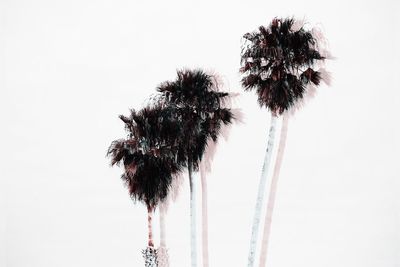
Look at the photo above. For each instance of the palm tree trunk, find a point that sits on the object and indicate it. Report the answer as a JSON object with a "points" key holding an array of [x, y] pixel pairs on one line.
{"points": [[193, 236], [272, 192], [163, 240], [261, 192], [149, 253], [204, 203], [150, 226], [162, 252]]}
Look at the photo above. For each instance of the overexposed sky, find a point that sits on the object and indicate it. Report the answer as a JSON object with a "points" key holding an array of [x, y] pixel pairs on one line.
{"points": [[69, 68]]}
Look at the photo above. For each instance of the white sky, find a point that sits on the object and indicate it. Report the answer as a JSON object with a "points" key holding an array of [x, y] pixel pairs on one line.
{"points": [[69, 68]]}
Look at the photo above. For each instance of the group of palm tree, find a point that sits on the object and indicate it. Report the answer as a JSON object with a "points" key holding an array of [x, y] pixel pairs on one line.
{"points": [[166, 137], [171, 135]]}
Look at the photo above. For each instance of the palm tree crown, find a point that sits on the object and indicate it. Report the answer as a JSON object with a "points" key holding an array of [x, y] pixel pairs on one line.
{"points": [[200, 107], [148, 154], [278, 62]]}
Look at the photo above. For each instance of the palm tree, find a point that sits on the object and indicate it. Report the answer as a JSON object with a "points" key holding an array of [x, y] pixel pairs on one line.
{"points": [[200, 105], [149, 160], [277, 61]]}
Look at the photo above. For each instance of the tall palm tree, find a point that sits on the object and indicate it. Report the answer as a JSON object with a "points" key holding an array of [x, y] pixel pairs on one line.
{"points": [[200, 105], [149, 160], [277, 61]]}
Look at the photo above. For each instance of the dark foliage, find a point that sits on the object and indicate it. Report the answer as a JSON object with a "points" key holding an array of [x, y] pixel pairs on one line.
{"points": [[200, 107], [277, 62], [149, 153], [155, 127]]}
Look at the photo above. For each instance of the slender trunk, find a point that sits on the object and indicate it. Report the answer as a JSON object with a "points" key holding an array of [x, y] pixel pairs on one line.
{"points": [[150, 253], [163, 241], [204, 203], [150, 226], [193, 236], [261, 192], [162, 251], [272, 192]]}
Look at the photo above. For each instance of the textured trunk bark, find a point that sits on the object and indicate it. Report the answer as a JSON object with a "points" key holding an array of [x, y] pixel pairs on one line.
{"points": [[150, 226], [150, 253], [261, 192], [193, 236], [204, 202], [272, 192]]}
